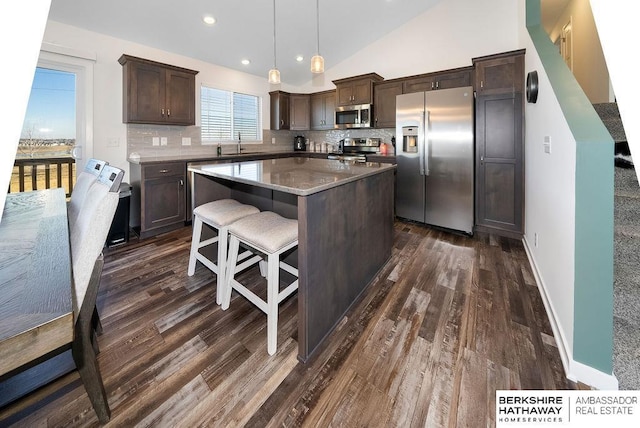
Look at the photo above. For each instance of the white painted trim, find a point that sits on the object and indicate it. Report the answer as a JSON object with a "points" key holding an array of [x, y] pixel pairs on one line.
{"points": [[574, 370], [83, 68], [68, 51]]}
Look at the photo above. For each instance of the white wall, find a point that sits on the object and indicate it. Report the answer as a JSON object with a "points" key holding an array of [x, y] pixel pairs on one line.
{"points": [[107, 111], [447, 36], [22, 21], [550, 199]]}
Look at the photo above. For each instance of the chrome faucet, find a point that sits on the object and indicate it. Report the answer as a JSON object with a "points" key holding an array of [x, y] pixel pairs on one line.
{"points": [[239, 144]]}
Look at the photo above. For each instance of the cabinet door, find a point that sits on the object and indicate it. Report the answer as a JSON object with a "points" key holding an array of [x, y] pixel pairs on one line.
{"points": [[279, 102], [146, 93], [453, 80], [384, 104], [344, 94], [180, 98], [499, 162], [164, 201], [323, 106], [500, 75], [299, 115], [362, 92], [419, 84]]}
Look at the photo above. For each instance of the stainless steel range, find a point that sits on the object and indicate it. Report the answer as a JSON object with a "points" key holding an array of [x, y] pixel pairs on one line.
{"points": [[356, 149]]}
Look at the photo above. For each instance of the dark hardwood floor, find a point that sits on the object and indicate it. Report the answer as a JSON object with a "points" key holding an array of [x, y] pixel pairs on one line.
{"points": [[448, 320]]}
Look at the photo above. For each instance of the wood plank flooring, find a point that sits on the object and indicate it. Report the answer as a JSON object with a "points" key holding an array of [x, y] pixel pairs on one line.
{"points": [[447, 321]]}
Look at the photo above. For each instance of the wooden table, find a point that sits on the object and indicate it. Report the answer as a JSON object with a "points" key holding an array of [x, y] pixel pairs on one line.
{"points": [[36, 311], [345, 226]]}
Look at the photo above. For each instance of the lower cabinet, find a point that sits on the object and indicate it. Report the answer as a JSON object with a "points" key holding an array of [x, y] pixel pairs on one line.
{"points": [[159, 197]]}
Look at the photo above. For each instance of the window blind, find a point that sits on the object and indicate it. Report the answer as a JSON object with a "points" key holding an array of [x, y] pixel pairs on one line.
{"points": [[224, 114]]}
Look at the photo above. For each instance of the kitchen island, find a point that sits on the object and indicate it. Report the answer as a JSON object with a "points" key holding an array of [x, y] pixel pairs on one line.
{"points": [[345, 226]]}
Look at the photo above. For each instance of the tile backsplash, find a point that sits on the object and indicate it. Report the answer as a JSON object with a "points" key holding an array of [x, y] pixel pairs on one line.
{"points": [[140, 140]]}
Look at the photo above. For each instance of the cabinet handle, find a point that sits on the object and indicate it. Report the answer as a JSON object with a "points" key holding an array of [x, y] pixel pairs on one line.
{"points": [[481, 84], [437, 85], [281, 122], [432, 86], [162, 111], [164, 171], [168, 112], [481, 160], [181, 182]]}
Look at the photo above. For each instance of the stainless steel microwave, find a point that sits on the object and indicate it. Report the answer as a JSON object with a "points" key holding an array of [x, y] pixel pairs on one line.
{"points": [[356, 116]]}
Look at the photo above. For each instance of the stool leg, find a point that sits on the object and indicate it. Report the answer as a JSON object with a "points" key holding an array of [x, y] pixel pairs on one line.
{"points": [[195, 241], [234, 246], [223, 237], [273, 276]]}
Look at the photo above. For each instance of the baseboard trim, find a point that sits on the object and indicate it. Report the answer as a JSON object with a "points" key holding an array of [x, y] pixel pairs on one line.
{"points": [[574, 370]]}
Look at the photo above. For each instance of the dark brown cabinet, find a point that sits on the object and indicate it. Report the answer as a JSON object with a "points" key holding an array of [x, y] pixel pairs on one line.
{"points": [[157, 93], [323, 107], [499, 74], [439, 80], [500, 145], [300, 112], [159, 196], [384, 103], [356, 90], [280, 105]]}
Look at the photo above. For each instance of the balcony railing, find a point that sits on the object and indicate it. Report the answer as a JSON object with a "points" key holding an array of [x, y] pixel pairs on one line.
{"points": [[43, 173]]}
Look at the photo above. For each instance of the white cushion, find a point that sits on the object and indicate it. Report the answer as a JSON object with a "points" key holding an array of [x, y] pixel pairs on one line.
{"points": [[223, 212], [89, 234], [266, 231]]}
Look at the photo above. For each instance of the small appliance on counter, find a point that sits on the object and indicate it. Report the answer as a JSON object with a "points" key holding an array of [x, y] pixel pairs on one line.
{"points": [[299, 144]]}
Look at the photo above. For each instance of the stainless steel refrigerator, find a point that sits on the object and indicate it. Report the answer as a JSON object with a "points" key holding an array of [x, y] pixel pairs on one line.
{"points": [[435, 158]]}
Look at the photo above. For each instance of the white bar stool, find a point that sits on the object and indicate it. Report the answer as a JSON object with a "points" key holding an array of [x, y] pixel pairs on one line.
{"points": [[272, 235], [219, 215]]}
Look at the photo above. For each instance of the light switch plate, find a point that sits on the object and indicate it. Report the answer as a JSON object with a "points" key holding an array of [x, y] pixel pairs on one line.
{"points": [[163, 141], [155, 141], [186, 141], [547, 144]]}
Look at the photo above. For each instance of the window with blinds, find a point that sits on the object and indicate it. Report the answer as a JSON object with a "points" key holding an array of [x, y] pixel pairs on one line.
{"points": [[224, 114]]}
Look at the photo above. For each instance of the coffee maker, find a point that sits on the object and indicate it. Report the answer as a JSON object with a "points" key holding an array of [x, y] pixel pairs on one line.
{"points": [[299, 143]]}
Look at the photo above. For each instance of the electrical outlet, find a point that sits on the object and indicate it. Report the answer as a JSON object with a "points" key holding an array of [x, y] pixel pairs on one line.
{"points": [[186, 141], [547, 144], [113, 142], [155, 141], [535, 240], [163, 141]]}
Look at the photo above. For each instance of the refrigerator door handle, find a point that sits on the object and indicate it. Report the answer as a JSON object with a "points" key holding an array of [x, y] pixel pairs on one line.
{"points": [[421, 147], [427, 123]]}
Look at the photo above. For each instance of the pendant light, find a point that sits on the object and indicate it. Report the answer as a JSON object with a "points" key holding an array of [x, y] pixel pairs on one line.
{"points": [[274, 73], [317, 62]]}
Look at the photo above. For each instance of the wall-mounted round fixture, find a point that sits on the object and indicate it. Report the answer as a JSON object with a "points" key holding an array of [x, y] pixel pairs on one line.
{"points": [[532, 86], [245, 62], [299, 58], [209, 20]]}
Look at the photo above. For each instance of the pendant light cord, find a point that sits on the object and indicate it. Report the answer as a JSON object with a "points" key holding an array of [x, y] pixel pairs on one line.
{"points": [[318, 25], [274, 34]]}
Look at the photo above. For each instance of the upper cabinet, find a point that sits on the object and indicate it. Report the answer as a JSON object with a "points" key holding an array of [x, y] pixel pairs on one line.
{"points": [[356, 90], [280, 102], [439, 80], [299, 113], [497, 74], [323, 107], [157, 93], [384, 103]]}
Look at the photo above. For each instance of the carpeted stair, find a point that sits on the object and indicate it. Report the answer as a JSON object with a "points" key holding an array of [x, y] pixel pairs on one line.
{"points": [[610, 116], [626, 286]]}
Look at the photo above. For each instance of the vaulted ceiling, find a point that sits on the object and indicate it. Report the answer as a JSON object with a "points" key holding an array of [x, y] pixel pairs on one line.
{"points": [[244, 28]]}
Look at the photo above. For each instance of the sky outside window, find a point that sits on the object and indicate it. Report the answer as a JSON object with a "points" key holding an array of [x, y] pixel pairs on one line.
{"points": [[51, 113]]}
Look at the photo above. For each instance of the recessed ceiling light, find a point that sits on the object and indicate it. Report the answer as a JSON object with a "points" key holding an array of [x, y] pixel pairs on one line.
{"points": [[209, 20], [299, 58], [246, 62]]}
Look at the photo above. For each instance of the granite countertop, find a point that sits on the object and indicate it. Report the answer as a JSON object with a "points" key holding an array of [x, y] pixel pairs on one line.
{"points": [[296, 175], [375, 157]]}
